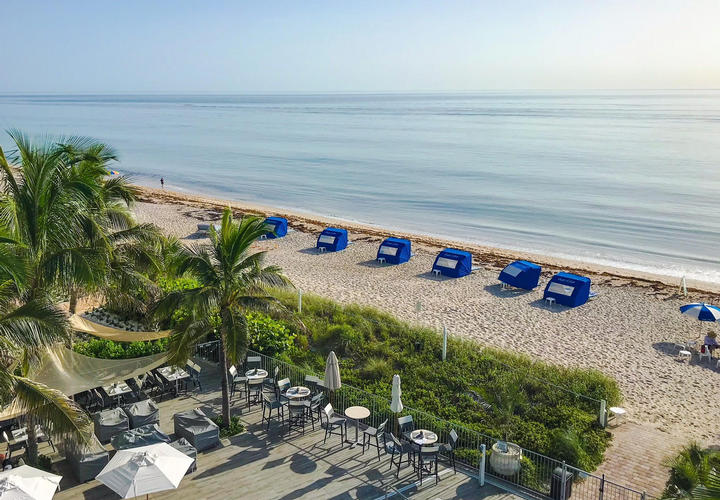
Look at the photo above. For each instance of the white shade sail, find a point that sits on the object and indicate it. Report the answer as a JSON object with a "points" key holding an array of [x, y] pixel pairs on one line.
{"points": [[332, 373], [144, 470], [80, 324], [70, 372], [27, 483]]}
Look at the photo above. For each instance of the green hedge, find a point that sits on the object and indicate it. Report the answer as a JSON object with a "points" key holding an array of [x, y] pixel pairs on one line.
{"points": [[492, 391], [108, 349]]}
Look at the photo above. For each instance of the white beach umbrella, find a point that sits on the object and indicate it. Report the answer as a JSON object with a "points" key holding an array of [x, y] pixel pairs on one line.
{"points": [[332, 373], [145, 470], [396, 405], [27, 483]]}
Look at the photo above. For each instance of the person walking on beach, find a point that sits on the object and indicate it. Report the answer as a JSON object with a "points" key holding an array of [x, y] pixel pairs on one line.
{"points": [[162, 183]]}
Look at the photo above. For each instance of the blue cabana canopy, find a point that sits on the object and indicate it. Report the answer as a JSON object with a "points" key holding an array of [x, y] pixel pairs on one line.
{"points": [[278, 225], [568, 289], [453, 263], [521, 274], [333, 239], [394, 250]]}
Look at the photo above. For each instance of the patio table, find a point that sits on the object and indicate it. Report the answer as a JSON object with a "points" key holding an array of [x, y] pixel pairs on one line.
{"points": [[257, 373], [298, 392], [356, 413], [117, 390], [423, 437]]}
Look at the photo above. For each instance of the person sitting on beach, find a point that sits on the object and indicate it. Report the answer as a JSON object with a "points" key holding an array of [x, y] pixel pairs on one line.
{"points": [[711, 341]]}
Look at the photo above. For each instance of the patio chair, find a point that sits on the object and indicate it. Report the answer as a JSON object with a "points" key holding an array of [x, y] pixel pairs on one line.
{"points": [[282, 386], [43, 435], [253, 362], [398, 450], [427, 462], [236, 380], [333, 423], [270, 403], [270, 381], [296, 415], [19, 445], [254, 392], [406, 426], [194, 370], [314, 407], [448, 448], [311, 382], [374, 432], [107, 401]]}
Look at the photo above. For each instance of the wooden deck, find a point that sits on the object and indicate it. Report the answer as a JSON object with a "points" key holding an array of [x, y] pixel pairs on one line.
{"points": [[275, 465]]}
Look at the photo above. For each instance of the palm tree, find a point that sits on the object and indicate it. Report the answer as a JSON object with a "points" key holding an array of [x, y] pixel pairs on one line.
{"points": [[64, 219], [25, 330], [694, 473], [232, 280]]}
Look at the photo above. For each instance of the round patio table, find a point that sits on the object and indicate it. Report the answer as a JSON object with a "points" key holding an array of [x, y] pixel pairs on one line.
{"points": [[255, 374], [298, 392], [356, 413], [423, 437]]}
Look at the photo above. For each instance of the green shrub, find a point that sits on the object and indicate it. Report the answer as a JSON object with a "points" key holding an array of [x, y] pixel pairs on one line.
{"points": [[235, 427], [108, 349], [690, 469], [495, 392], [268, 336]]}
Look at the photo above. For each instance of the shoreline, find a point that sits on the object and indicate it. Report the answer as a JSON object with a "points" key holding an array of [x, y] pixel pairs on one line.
{"points": [[489, 257]]}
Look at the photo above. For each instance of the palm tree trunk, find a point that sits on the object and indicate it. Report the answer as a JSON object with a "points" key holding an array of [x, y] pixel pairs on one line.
{"points": [[225, 386], [32, 442], [73, 300]]}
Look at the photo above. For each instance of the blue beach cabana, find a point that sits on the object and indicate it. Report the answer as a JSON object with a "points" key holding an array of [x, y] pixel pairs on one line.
{"points": [[394, 251], [568, 289], [332, 239], [453, 263], [278, 226], [521, 274]]}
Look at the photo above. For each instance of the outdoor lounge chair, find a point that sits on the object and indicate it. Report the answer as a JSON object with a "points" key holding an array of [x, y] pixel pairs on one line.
{"points": [[373, 432], [253, 362], [86, 461], [142, 436], [254, 392], [270, 381], [333, 424], [142, 413], [183, 446], [200, 431], [110, 422], [297, 413]]}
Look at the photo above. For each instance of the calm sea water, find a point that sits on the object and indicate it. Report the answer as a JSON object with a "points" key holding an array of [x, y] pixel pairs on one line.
{"points": [[629, 179]]}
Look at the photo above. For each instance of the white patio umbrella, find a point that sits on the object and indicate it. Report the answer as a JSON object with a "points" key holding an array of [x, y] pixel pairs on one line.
{"points": [[145, 470], [396, 405], [27, 483], [332, 373]]}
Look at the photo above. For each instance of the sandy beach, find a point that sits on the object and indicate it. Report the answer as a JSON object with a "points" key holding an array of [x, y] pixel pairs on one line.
{"points": [[627, 332]]}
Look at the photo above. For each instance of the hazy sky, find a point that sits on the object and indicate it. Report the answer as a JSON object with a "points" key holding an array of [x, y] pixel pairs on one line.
{"points": [[340, 45]]}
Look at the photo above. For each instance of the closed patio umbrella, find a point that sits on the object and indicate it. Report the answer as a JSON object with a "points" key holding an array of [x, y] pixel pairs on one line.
{"points": [[396, 405], [332, 373], [27, 483], [144, 470]]}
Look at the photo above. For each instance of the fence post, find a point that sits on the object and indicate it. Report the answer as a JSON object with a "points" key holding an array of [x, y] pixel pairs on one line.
{"points": [[602, 487], [444, 353], [299, 300], [562, 481], [602, 418], [481, 474], [644, 495]]}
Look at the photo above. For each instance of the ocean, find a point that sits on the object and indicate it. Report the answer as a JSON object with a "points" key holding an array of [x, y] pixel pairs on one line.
{"points": [[628, 179]]}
